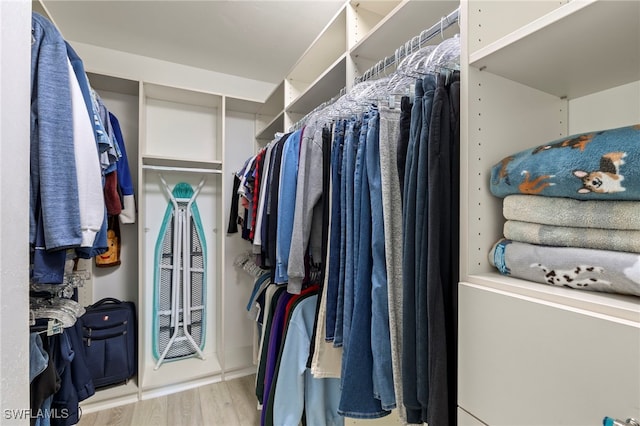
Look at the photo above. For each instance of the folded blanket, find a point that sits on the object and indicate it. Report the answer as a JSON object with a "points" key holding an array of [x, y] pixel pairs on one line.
{"points": [[601, 165], [579, 268], [565, 236], [574, 213]]}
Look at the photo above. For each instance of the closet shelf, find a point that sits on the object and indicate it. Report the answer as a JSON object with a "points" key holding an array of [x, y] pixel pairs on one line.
{"points": [[272, 106], [151, 162], [569, 38], [405, 21], [621, 308], [328, 46], [180, 373], [322, 89], [275, 125], [242, 105], [109, 83], [111, 397]]}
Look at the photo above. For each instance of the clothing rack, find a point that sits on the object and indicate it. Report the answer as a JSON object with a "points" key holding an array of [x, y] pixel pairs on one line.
{"points": [[410, 46], [405, 50]]}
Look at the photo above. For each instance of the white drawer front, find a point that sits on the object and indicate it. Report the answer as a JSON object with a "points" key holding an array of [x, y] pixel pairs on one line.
{"points": [[527, 362]]}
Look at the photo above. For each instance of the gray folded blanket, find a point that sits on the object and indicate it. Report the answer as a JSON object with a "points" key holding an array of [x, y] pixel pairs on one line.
{"points": [[575, 213], [578, 268], [565, 236]]}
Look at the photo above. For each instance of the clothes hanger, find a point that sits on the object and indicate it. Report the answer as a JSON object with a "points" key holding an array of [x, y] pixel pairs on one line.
{"points": [[445, 56]]}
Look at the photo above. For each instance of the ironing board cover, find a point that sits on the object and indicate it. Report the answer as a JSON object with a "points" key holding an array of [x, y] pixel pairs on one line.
{"points": [[163, 282]]}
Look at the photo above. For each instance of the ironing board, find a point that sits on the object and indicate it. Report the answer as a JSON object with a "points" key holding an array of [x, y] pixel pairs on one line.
{"points": [[180, 278]]}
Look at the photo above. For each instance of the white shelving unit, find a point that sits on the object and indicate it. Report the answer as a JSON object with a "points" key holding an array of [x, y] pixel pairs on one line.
{"points": [[182, 134], [530, 353], [360, 34]]}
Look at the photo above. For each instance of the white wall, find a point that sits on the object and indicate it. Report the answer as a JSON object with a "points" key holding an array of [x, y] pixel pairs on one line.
{"points": [[121, 64], [15, 21]]}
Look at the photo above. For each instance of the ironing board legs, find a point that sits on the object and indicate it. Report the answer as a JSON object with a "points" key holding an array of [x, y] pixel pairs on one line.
{"points": [[175, 284], [186, 280]]}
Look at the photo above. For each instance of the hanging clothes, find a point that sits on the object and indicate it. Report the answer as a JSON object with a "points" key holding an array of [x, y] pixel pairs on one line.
{"points": [[364, 202], [298, 392], [54, 188]]}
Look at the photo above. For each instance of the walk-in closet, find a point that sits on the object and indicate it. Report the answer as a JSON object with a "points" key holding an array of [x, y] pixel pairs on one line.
{"points": [[320, 212]]}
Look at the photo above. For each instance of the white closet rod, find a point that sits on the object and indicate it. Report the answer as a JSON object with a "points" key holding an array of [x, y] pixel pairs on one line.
{"points": [[410, 46], [181, 169]]}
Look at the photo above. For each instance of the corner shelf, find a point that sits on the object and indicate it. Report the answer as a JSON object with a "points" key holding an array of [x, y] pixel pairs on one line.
{"points": [[242, 105], [323, 88], [270, 118], [275, 125]]}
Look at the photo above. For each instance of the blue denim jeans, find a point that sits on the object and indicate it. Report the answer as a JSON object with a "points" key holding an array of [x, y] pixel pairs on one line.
{"points": [[333, 278], [358, 397], [380, 336], [287, 204], [346, 232], [409, 383], [353, 226]]}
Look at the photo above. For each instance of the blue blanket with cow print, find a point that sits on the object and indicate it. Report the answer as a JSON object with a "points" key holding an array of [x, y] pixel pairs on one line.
{"points": [[599, 165]]}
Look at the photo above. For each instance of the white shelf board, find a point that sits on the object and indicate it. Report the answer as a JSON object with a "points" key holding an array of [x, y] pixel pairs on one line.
{"points": [[555, 53], [151, 160], [274, 102], [111, 397], [275, 125], [104, 82], [619, 307], [379, 7], [182, 96], [329, 45], [175, 373], [243, 105], [322, 89], [405, 21]]}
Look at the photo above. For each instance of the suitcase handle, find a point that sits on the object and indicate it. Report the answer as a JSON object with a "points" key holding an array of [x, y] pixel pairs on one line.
{"points": [[104, 301]]}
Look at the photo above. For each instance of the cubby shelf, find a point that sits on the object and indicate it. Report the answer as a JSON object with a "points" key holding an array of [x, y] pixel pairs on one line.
{"points": [[534, 72]]}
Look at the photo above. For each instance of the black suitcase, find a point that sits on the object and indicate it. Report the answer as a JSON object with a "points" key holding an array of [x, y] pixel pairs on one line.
{"points": [[109, 329]]}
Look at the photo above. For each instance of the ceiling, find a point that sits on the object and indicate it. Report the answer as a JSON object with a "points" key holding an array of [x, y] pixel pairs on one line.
{"points": [[259, 39]]}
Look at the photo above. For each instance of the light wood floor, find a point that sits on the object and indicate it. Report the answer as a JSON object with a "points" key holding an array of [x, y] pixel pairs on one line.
{"points": [[225, 403], [231, 403]]}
